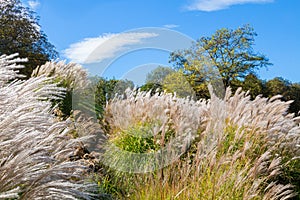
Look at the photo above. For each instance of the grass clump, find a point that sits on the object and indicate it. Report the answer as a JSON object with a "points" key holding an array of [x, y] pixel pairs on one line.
{"points": [[241, 149]]}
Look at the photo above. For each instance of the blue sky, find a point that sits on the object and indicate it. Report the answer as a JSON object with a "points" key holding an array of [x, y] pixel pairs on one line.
{"points": [[76, 27]]}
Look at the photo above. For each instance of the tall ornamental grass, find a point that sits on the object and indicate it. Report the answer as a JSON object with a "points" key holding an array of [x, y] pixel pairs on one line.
{"points": [[239, 149], [34, 145], [149, 146]]}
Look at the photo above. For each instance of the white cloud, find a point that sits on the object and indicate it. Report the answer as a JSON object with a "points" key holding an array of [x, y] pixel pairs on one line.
{"points": [[33, 4], [213, 5], [92, 50], [171, 26]]}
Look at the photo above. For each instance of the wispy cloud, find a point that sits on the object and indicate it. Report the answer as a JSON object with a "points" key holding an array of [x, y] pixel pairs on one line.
{"points": [[213, 5], [170, 26], [91, 50], [33, 4]]}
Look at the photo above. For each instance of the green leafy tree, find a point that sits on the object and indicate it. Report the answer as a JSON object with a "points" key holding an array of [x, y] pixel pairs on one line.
{"points": [[168, 80], [106, 90], [155, 78], [294, 94], [288, 90], [277, 86], [176, 82], [252, 84], [228, 52], [20, 32], [153, 87], [158, 75]]}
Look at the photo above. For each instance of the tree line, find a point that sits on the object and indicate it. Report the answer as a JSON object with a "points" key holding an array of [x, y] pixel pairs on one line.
{"points": [[227, 54]]}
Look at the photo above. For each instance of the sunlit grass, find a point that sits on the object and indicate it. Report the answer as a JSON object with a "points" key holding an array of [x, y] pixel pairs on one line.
{"points": [[242, 150]]}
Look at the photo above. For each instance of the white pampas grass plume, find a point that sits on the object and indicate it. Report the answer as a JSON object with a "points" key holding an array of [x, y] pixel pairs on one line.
{"points": [[34, 146]]}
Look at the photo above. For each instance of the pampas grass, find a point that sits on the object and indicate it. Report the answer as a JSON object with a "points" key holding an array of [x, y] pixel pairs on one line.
{"points": [[34, 145], [69, 75], [162, 117], [239, 149], [231, 148]]}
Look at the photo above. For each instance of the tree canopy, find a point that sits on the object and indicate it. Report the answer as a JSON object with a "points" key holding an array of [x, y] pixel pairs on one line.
{"points": [[21, 33], [288, 90], [106, 89], [158, 74], [229, 51], [227, 55]]}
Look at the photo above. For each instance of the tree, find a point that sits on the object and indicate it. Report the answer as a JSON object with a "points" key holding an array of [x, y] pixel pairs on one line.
{"points": [[20, 32], [152, 87], [158, 75], [105, 90], [169, 80], [227, 51], [176, 82], [277, 86], [252, 84], [155, 78], [288, 90], [294, 94]]}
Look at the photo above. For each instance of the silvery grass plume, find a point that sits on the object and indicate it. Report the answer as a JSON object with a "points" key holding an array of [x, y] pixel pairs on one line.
{"points": [[11, 69], [74, 78], [157, 117], [71, 75], [34, 146], [258, 135], [238, 149]]}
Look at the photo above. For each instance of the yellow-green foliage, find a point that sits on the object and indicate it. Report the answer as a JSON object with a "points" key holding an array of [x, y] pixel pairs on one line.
{"points": [[136, 139]]}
